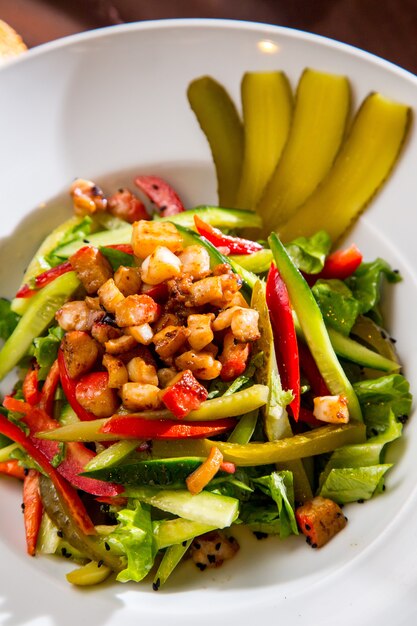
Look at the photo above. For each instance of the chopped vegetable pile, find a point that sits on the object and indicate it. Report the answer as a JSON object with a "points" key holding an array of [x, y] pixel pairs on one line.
{"points": [[175, 379]]}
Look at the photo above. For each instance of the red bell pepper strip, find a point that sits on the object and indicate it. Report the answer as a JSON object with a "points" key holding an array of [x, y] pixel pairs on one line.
{"points": [[183, 394], [66, 491], [31, 393], [160, 193], [32, 509], [76, 454], [285, 338], [307, 417], [228, 467], [311, 371], [12, 468], [69, 386], [128, 427], [46, 402], [44, 279], [122, 247], [340, 264], [159, 293], [235, 245]]}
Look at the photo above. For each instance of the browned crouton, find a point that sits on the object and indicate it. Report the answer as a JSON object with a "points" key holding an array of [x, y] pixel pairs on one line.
{"points": [[80, 352], [92, 268], [169, 340], [319, 520], [211, 549]]}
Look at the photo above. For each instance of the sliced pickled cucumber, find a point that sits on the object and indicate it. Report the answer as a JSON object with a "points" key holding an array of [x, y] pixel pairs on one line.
{"points": [[267, 109], [363, 164], [318, 127], [220, 122]]}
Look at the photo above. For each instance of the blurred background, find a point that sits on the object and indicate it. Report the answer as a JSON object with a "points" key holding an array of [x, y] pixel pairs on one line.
{"points": [[387, 28]]}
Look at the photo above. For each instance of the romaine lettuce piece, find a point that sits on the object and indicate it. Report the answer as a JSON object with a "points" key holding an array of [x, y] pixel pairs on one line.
{"points": [[366, 282], [309, 253], [350, 484], [279, 486], [8, 319], [337, 304], [46, 350]]}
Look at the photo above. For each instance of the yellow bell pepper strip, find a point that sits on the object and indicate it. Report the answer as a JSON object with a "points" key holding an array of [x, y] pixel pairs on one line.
{"points": [[311, 443], [321, 109], [201, 477], [220, 122], [361, 167], [215, 216], [267, 104], [314, 329], [93, 573]]}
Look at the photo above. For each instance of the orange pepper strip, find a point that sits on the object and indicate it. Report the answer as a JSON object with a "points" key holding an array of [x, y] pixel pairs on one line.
{"points": [[12, 468], [203, 474], [32, 509]]}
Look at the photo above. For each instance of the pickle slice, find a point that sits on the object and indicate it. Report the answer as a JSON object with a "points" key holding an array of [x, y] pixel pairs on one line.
{"points": [[363, 164], [220, 122], [267, 109], [321, 109]]}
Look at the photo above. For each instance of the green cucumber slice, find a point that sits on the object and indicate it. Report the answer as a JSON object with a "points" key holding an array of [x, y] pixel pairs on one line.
{"points": [[215, 216]]}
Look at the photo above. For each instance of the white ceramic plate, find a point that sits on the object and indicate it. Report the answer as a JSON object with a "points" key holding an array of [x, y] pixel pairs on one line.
{"points": [[111, 103]]}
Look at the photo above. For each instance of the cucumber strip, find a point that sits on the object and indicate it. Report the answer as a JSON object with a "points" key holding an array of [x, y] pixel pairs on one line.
{"points": [[257, 262], [205, 507], [38, 263], [314, 329], [239, 403], [267, 104], [102, 238], [158, 472], [38, 316], [363, 164], [351, 350], [92, 573], [174, 531], [311, 443], [170, 560], [7, 451], [48, 540], [112, 456], [244, 429], [215, 216], [321, 109], [220, 122]]}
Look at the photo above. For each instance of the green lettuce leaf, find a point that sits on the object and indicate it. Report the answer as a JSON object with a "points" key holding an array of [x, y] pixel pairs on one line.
{"points": [[379, 396], [134, 538], [309, 253], [46, 350], [8, 319], [261, 519], [117, 258], [279, 486], [337, 304], [78, 232], [365, 283], [350, 484]]}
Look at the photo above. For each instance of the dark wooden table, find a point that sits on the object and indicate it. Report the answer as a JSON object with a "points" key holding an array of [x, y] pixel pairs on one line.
{"points": [[387, 28]]}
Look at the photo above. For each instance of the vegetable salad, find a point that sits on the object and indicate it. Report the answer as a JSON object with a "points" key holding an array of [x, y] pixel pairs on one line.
{"points": [[179, 376]]}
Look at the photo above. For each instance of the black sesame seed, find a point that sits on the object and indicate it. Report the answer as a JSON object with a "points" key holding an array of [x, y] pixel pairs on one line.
{"points": [[184, 543], [218, 546], [307, 527], [201, 566], [393, 340], [109, 320], [346, 519], [232, 539], [162, 208], [60, 533], [361, 501], [22, 506], [156, 187], [120, 190], [211, 558], [259, 535], [106, 545], [26, 471], [383, 487], [396, 271], [85, 241], [402, 419], [197, 546], [100, 563], [68, 555], [308, 540], [64, 551], [314, 545], [156, 584]]}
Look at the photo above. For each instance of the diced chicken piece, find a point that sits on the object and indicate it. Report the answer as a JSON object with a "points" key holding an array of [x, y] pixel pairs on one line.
{"points": [[245, 325], [110, 295], [117, 371], [136, 310], [224, 318], [160, 266], [167, 319], [183, 394], [201, 333], [122, 344], [140, 397], [93, 303], [147, 236], [76, 315], [141, 372], [205, 291], [169, 340], [142, 334], [92, 268], [80, 352], [166, 375], [331, 409], [94, 395], [319, 520], [87, 197], [237, 300], [103, 332], [195, 261], [212, 549], [128, 280], [202, 364], [126, 206], [234, 357]]}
